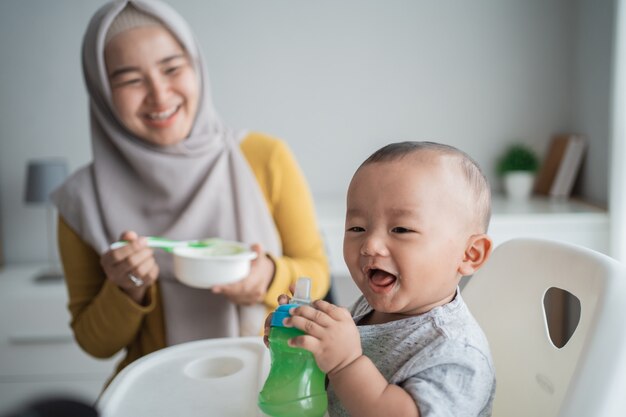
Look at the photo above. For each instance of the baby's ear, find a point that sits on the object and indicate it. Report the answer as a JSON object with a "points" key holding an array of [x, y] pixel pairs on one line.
{"points": [[476, 254]]}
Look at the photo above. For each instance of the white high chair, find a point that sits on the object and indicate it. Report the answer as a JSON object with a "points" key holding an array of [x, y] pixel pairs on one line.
{"points": [[587, 376]]}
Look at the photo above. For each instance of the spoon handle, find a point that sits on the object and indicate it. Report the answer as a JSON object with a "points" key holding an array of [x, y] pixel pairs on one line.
{"points": [[168, 244], [153, 242]]}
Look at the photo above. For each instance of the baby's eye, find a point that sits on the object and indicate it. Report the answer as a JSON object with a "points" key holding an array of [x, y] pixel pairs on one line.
{"points": [[355, 229], [401, 230]]}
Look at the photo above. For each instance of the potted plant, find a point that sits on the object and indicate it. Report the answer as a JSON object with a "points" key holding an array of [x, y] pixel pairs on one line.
{"points": [[517, 167]]}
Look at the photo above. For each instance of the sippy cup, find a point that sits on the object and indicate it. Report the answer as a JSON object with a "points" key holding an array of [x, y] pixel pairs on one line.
{"points": [[295, 385]]}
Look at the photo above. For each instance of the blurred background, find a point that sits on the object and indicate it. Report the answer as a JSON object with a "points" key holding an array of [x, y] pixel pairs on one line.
{"points": [[335, 79]]}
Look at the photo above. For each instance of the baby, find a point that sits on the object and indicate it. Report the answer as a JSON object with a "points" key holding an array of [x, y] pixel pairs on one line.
{"points": [[416, 222]]}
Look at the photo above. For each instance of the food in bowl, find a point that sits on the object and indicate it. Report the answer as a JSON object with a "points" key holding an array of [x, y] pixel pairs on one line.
{"points": [[222, 263]]}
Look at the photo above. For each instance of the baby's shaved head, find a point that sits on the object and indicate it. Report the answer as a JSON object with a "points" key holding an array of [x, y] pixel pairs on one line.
{"points": [[474, 176]]}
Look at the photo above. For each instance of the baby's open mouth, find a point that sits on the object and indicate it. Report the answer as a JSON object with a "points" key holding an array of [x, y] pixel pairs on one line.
{"points": [[380, 280]]}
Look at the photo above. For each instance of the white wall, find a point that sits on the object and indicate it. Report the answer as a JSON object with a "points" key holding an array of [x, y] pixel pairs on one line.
{"points": [[591, 104], [618, 138], [335, 78]]}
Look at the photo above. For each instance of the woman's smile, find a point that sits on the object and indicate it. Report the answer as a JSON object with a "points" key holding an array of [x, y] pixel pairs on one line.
{"points": [[161, 115], [162, 119]]}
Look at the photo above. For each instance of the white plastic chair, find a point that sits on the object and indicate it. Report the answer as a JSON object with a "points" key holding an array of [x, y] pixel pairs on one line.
{"points": [[587, 376]]}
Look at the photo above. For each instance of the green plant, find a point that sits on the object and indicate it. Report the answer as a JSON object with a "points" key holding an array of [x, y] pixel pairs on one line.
{"points": [[517, 157]]}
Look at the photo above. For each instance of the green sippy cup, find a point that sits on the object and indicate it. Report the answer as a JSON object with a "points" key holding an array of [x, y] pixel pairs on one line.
{"points": [[295, 385]]}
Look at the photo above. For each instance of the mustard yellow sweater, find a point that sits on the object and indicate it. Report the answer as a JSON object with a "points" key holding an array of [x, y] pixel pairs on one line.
{"points": [[105, 320]]}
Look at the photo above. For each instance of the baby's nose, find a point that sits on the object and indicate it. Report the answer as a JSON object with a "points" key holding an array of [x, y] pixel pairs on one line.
{"points": [[374, 246]]}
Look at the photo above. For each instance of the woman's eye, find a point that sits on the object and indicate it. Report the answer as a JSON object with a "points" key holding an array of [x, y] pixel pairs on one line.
{"points": [[172, 70], [401, 230], [128, 82]]}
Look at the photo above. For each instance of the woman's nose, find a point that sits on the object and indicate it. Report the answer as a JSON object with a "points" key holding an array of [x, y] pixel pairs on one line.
{"points": [[374, 246], [158, 89]]}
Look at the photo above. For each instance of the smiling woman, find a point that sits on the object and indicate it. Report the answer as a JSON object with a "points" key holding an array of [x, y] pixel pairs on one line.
{"points": [[164, 164]]}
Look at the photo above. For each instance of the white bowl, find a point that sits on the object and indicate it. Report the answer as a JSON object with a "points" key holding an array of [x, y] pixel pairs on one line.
{"points": [[223, 263]]}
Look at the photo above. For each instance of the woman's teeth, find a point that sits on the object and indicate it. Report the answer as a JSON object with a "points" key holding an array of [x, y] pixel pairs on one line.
{"points": [[162, 115]]}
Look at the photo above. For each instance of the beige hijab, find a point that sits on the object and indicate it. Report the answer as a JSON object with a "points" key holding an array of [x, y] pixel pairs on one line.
{"points": [[201, 187]]}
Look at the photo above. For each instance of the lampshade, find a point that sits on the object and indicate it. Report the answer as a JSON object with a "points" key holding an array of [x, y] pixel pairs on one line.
{"points": [[42, 177]]}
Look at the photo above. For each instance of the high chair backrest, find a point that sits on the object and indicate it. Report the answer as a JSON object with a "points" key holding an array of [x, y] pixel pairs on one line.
{"points": [[584, 378]]}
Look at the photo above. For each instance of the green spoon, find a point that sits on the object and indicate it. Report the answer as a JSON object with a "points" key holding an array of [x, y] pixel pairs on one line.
{"points": [[168, 245]]}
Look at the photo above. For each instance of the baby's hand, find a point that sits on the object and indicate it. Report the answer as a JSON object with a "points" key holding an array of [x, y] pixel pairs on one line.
{"points": [[282, 299], [332, 336]]}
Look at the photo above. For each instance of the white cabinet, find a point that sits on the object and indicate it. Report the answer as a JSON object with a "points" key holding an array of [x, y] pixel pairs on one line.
{"points": [[38, 354], [540, 217]]}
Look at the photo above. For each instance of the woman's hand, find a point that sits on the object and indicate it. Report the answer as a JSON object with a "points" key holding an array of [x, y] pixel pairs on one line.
{"points": [[331, 335], [131, 267], [251, 289]]}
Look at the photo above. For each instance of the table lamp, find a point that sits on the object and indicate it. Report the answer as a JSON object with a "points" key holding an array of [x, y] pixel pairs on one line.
{"points": [[43, 177]]}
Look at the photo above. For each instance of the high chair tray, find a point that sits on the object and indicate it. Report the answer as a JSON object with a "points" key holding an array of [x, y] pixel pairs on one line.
{"points": [[214, 377]]}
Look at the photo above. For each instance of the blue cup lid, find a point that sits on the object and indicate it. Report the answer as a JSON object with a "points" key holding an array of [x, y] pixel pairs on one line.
{"points": [[281, 313]]}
